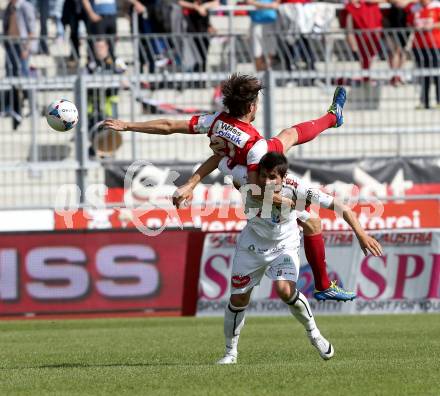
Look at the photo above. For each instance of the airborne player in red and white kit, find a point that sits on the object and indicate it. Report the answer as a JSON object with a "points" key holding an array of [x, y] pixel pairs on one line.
{"points": [[233, 136]]}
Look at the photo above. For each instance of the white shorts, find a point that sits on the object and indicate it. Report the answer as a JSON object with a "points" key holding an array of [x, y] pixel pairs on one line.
{"points": [[263, 39], [256, 256]]}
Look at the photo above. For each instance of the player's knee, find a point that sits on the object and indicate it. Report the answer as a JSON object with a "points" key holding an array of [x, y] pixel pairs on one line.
{"points": [[312, 226], [285, 290], [239, 300], [288, 137]]}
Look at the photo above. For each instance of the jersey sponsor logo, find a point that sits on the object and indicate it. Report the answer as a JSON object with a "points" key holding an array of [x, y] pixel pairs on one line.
{"points": [[240, 281], [283, 273], [231, 133], [276, 249]]}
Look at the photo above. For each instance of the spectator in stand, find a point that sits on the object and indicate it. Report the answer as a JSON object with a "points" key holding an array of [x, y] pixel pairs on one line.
{"points": [[301, 49], [42, 6], [19, 25], [398, 39], [365, 16], [101, 16], [152, 48], [196, 14], [263, 32], [102, 102], [425, 17], [73, 14], [56, 12]]}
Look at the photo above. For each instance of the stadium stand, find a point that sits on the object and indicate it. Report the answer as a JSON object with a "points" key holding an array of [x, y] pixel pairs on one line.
{"points": [[157, 74]]}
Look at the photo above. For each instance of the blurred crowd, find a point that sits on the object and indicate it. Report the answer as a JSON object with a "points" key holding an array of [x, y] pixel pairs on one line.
{"points": [[22, 19]]}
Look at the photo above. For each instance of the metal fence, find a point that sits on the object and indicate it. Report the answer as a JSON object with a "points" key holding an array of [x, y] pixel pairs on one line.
{"points": [[147, 77]]}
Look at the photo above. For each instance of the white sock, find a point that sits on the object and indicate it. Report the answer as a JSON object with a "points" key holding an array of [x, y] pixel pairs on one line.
{"points": [[233, 323], [300, 308]]}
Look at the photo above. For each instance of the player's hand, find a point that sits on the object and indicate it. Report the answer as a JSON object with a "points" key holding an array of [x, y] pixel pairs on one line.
{"points": [[369, 244], [116, 125], [183, 196]]}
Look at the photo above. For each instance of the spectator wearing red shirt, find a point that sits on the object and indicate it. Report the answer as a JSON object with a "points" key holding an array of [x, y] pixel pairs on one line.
{"points": [[365, 16], [425, 17]]}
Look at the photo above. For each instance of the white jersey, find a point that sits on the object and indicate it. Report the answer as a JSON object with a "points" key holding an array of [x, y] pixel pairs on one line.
{"points": [[270, 221], [269, 243], [276, 223]]}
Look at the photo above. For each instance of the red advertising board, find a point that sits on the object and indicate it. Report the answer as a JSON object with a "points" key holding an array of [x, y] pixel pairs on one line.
{"points": [[95, 272], [390, 215]]}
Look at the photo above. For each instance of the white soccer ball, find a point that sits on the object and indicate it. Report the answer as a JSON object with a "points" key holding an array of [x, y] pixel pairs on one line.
{"points": [[62, 115]]}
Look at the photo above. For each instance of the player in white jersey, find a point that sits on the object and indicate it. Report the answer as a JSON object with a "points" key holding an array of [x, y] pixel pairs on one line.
{"points": [[269, 245]]}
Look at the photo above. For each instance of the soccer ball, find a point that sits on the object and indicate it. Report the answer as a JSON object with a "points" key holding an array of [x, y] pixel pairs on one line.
{"points": [[62, 115]]}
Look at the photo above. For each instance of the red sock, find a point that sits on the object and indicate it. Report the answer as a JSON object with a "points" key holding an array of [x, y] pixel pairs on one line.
{"points": [[310, 129], [315, 253]]}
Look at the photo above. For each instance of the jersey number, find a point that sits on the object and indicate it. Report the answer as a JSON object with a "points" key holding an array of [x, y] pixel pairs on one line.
{"points": [[222, 147]]}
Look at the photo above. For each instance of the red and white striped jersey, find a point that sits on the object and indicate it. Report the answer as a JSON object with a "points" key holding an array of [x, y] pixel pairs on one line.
{"points": [[233, 138]]}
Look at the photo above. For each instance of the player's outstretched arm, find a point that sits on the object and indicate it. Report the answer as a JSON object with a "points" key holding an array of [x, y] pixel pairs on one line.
{"points": [[185, 192], [367, 243], [307, 195], [156, 127]]}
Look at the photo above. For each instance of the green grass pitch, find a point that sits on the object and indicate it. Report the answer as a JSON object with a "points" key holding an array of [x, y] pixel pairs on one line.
{"points": [[375, 355]]}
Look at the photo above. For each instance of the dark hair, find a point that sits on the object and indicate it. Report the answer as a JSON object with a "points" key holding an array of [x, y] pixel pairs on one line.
{"points": [[274, 161], [239, 92]]}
